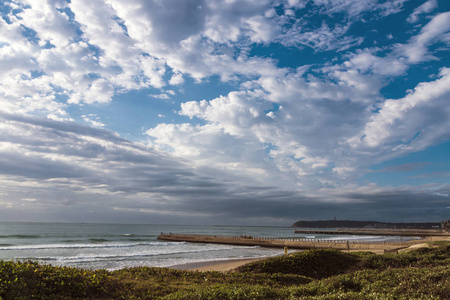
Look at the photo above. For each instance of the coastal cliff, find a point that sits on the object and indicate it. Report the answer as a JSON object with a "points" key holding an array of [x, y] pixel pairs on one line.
{"points": [[363, 224]]}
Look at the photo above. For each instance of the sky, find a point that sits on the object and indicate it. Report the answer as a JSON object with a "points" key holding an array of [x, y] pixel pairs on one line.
{"points": [[249, 112]]}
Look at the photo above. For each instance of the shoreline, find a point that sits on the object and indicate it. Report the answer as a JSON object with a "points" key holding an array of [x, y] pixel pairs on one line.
{"points": [[216, 265]]}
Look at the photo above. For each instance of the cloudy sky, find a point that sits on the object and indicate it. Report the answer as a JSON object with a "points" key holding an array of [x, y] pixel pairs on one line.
{"points": [[224, 111]]}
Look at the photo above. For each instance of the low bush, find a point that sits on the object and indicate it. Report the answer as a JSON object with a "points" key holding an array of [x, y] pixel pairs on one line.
{"points": [[236, 292], [325, 263], [24, 280], [313, 263], [406, 283]]}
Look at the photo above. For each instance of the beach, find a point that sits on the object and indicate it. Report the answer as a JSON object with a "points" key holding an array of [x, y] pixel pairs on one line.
{"points": [[221, 266]]}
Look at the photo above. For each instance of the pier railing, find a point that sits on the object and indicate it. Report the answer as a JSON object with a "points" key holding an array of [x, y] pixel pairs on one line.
{"points": [[286, 239]]}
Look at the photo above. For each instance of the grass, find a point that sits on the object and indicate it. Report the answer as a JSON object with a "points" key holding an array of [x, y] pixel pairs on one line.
{"points": [[316, 274]]}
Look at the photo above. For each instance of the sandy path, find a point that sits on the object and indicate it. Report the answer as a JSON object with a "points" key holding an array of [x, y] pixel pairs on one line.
{"points": [[221, 266]]}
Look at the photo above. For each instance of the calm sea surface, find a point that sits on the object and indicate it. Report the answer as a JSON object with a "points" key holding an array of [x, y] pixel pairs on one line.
{"points": [[116, 246]]}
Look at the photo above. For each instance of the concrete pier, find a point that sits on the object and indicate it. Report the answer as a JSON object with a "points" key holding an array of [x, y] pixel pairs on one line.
{"points": [[291, 243]]}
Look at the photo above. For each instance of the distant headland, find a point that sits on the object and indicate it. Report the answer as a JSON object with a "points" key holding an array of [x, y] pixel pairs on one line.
{"points": [[368, 224]]}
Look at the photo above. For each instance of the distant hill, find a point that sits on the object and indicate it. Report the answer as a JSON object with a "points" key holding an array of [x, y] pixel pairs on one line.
{"points": [[363, 224]]}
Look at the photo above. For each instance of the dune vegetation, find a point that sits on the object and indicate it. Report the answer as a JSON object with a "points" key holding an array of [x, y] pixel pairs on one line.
{"points": [[315, 274]]}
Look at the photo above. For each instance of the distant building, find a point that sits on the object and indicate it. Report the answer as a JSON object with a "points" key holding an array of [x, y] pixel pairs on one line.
{"points": [[445, 225]]}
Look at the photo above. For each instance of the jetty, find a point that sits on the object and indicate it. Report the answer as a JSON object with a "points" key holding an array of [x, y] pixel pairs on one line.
{"points": [[291, 243], [378, 232]]}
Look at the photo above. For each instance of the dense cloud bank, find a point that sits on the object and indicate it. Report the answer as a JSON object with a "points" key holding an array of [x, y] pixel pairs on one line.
{"points": [[287, 140]]}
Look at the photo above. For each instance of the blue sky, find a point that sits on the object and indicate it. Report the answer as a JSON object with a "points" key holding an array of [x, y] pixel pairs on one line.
{"points": [[212, 111]]}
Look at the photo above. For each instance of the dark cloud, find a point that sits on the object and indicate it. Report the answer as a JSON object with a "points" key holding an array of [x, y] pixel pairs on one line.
{"points": [[37, 167], [61, 129], [175, 20], [395, 206]]}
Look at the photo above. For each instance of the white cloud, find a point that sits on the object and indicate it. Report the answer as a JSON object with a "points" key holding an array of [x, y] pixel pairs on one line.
{"points": [[93, 120], [285, 119], [211, 146], [320, 39], [337, 107], [426, 7], [418, 119], [262, 30], [365, 61], [338, 85], [100, 91], [298, 4], [131, 46], [354, 8], [235, 113], [231, 120], [55, 117], [109, 47], [160, 96], [366, 88], [29, 199], [50, 24], [231, 20], [90, 68], [435, 31], [390, 7], [186, 37], [176, 79]]}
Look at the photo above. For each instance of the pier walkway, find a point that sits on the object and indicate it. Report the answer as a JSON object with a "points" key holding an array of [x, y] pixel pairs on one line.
{"points": [[291, 243]]}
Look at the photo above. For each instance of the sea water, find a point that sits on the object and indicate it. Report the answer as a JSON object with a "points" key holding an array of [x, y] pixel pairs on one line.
{"points": [[116, 246]]}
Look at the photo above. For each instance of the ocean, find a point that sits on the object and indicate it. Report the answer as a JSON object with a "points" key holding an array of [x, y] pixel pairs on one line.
{"points": [[117, 246]]}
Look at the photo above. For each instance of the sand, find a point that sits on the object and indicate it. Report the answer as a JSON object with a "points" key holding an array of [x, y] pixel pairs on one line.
{"points": [[413, 247], [229, 265], [221, 266]]}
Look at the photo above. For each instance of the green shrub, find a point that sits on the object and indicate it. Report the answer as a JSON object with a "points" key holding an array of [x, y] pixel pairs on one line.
{"points": [[220, 292], [20, 280], [325, 263], [407, 283], [313, 263]]}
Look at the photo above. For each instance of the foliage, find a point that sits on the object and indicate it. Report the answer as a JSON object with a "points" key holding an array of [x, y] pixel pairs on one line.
{"points": [[314, 263], [407, 283], [325, 263], [236, 292], [30, 279], [316, 274]]}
